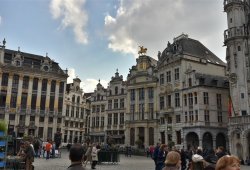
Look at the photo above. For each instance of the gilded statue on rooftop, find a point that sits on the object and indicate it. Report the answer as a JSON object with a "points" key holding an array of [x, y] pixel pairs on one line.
{"points": [[142, 50]]}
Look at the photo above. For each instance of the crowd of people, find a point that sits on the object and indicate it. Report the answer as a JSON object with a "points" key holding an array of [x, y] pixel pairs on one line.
{"points": [[199, 159]]}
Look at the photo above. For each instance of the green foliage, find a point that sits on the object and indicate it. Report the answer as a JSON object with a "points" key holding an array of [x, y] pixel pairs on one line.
{"points": [[3, 126]]}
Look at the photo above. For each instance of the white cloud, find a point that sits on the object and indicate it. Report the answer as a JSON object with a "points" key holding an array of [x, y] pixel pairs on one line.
{"points": [[152, 23], [72, 75], [89, 85], [72, 14]]}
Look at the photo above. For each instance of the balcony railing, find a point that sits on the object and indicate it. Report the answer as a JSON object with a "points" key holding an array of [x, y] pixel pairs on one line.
{"points": [[235, 32], [202, 123], [239, 120]]}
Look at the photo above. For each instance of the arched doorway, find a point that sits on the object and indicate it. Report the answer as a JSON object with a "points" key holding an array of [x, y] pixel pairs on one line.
{"points": [[221, 140], [192, 140], [151, 136], [207, 141], [239, 150], [132, 136]]}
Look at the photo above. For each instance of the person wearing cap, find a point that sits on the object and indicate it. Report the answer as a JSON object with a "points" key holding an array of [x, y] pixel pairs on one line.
{"points": [[173, 161]]}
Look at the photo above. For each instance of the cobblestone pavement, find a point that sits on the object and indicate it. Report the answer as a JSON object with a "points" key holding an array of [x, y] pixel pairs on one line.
{"points": [[126, 163]]}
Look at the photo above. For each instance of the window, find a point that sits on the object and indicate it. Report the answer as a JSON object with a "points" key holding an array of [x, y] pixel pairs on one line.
{"points": [[102, 108], [25, 82], [242, 95], [195, 98], [206, 115], [44, 84], [13, 100], [115, 118], [33, 101], [116, 90], [109, 104], [5, 78], [51, 103], [102, 121], [141, 93], [97, 121], [59, 120], [169, 120], [24, 100], [239, 49], [150, 93], [35, 84], [178, 118], [73, 98], [162, 120], [132, 94], [178, 137], [32, 118], [161, 79], [53, 86], [115, 103], [141, 111], [169, 101], [177, 100], [12, 117], [109, 119], [219, 116], [218, 97], [93, 121], [185, 100], [43, 102], [61, 87], [176, 74], [98, 109], [121, 118], [67, 110], [196, 116], [132, 112], [191, 116], [82, 113], [121, 103], [77, 112], [205, 97], [122, 91], [151, 110], [15, 81], [93, 109], [186, 117], [50, 119], [190, 99], [168, 76], [162, 102], [78, 100], [190, 82], [72, 111]]}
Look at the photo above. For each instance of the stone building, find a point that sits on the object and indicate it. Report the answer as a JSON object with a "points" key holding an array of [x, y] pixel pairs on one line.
{"points": [[193, 95], [116, 109], [75, 118], [236, 39], [142, 100], [32, 93], [98, 116]]}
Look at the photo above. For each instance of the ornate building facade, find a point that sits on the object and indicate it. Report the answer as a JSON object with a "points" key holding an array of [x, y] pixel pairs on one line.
{"points": [[236, 39], [193, 95], [76, 113], [142, 99], [116, 109], [32, 93]]}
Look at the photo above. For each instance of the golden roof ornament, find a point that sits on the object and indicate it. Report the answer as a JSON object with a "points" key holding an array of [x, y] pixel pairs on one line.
{"points": [[142, 50]]}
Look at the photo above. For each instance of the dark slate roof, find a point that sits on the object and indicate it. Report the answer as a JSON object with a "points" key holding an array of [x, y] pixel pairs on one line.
{"points": [[188, 46], [30, 59]]}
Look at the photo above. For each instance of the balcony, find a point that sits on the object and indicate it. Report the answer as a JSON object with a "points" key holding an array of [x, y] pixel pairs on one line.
{"points": [[228, 3], [239, 120], [204, 124], [235, 32]]}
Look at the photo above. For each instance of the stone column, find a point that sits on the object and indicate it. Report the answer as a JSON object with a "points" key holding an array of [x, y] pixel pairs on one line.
{"points": [[127, 136], [29, 93], [1, 74], [56, 97], [9, 89], [39, 91], [48, 96], [214, 141], [146, 109], [19, 92]]}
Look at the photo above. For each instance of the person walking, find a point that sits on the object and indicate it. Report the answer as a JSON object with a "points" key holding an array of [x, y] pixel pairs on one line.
{"points": [[94, 155], [29, 156], [76, 154], [48, 148], [88, 155]]}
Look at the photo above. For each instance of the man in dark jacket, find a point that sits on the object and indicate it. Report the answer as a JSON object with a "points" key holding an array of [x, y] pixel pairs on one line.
{"points": [[76, 154]]}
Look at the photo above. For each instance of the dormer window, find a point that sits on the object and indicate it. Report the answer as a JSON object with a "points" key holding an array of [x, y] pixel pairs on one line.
{"points": [[201, 81], [46, 68]]}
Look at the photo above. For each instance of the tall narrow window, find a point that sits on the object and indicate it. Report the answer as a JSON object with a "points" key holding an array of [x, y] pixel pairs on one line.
{"points": [[176, 74], [162, 102], [205, 97], [177, 100]]}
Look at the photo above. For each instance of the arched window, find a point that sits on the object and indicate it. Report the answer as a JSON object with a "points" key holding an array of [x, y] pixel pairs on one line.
{"points": [[78, 99], [122, 91], [73, 98]]}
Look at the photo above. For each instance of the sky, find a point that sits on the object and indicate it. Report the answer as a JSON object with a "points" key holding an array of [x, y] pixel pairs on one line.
{"points": [[93, 38]]}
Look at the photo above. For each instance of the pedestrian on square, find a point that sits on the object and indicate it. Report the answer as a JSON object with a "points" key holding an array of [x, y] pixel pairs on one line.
{"points": [[228, 163], [29, 156], [94, 155], [88, 155], [76, 154], [48, 148], [173, 161], [163, 151]]}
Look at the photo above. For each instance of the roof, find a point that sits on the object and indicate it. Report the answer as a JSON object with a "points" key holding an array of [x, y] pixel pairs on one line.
{"points": [[188, 46]]}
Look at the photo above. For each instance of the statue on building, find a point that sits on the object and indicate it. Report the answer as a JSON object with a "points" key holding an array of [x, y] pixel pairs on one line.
{"points": [[142, 50]]}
